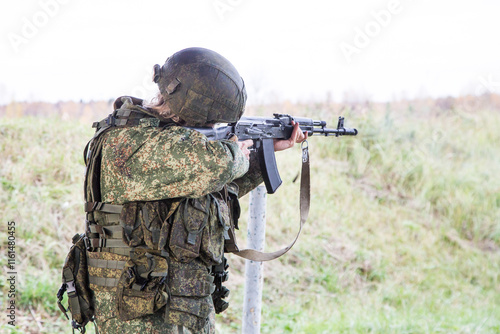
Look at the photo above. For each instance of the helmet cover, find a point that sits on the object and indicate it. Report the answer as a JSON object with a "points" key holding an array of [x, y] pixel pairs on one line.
{"points": [[201, 87]]}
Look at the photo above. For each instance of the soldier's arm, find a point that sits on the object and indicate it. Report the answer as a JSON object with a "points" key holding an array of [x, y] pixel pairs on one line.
{"points": [[208, 165], [252, 178], [141, 164]]}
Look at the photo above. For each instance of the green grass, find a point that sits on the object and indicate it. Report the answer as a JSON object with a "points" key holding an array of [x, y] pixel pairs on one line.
{"points": [[403, 234]]}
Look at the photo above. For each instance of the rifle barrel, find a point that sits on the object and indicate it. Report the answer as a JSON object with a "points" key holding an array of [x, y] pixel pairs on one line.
{"points": [[336, 132]]}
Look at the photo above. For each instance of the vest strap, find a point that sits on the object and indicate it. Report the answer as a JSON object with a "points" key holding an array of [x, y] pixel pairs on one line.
{"points": [[118, 250], [103, 281], [102, 207], [107, 243], [108, 264], [112, 231]]}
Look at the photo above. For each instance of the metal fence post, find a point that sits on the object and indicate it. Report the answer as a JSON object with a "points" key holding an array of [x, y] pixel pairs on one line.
{"points": [[254, 270]]}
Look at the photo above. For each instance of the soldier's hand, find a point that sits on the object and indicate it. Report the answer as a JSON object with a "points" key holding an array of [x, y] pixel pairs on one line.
{"points": [[244, 145], [297, 137]]}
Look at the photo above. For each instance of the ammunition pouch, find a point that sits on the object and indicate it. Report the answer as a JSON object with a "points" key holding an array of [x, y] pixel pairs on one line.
{"points": [[188, 223], [159, 254], [75, 282], [141, 288], [190, 286]]}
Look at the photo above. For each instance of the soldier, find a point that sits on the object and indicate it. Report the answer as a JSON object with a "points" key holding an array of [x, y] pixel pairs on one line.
{"points": [[161, 198]]}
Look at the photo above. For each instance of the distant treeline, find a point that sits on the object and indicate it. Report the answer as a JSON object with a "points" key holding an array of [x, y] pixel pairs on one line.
{"points": [[83, 111], [94, 110]]}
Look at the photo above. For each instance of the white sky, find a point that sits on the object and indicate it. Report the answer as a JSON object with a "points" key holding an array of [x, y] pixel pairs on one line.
{"points": [[74, 49]]}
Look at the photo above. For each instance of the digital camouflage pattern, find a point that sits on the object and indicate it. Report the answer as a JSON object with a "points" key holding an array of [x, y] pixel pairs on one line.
{"points": [[109, 323], [189, 304], [170, 181], [190, 288], [149, 163], [104, 272], [141, 289], [75, 276], [251, 179]]}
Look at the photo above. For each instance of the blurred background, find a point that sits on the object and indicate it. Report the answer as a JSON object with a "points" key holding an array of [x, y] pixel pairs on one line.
{"points": [[403, 234], [285, 50]]}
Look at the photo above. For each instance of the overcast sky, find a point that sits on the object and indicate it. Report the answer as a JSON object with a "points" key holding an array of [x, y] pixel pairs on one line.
{"points": [[299, 50]]}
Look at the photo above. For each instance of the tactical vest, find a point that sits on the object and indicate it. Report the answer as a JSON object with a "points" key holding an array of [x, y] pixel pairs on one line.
{"points": [[153, 255]]}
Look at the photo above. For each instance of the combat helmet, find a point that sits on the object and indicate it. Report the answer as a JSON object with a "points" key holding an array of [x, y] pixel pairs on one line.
{"points": [[201, 87]]}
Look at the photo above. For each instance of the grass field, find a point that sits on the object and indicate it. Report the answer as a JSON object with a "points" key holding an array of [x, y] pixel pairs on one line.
{"points": [[403, 234]]}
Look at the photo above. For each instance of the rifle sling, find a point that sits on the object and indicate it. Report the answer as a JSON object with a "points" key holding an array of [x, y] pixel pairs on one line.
{"points": [[305, 195]]}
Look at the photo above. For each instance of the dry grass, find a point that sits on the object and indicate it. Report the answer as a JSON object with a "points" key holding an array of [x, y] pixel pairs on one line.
{"points": [[403, 234]]}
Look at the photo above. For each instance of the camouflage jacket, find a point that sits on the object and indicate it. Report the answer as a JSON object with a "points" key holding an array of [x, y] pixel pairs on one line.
{"points": [[145, 163]]}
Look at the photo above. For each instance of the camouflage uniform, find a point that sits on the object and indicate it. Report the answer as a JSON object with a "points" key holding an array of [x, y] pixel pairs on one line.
{"points": [[174, 186], [148, 164]]}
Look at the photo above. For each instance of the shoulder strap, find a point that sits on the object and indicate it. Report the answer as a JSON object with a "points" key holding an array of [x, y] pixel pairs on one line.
{"points": [[93, 166], [305, 195], [92, 151]]}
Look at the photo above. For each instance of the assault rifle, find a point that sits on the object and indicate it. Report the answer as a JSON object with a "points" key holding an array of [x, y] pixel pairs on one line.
{"points": [[263, 131]]}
